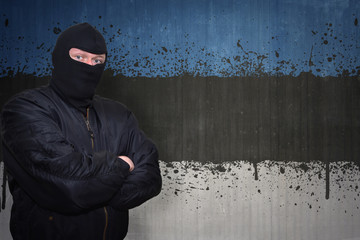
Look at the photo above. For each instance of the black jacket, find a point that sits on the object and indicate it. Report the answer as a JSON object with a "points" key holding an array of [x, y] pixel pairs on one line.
{"points": [[64, 175]]}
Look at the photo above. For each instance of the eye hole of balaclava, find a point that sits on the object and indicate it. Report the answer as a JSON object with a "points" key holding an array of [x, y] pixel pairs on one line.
{"points": [[75, 81]]}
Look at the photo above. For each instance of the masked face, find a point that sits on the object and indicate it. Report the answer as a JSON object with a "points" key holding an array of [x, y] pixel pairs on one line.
{"points": [[73, 79]]}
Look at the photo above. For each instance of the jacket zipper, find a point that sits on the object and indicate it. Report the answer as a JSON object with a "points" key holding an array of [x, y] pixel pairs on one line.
{"points": [[87, 122], [106, 222]]}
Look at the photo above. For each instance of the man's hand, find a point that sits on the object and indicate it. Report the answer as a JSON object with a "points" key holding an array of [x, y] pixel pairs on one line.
{"points": [[128, 161]]}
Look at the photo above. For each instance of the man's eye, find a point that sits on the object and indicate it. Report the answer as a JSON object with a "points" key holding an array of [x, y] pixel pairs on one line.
{"points": [[78, 57], [98, 61]]}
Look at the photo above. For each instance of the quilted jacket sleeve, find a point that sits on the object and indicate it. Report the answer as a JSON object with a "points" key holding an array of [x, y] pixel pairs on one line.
{"points": [[47, 167], [144, 182]]}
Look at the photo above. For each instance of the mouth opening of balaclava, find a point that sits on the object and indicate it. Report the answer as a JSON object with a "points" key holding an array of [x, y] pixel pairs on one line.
{"points": [[75, 81]]}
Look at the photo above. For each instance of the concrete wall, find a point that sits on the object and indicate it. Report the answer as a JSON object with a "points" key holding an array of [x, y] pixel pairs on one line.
{"points": [[254, 106]]}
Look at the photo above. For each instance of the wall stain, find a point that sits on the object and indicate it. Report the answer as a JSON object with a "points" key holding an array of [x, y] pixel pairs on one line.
{"points": [[56, 30], [191, 177], [130, 55]]}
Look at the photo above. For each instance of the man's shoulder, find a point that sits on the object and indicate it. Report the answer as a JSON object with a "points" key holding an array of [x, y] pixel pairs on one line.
{"points": [[110, 104], [32, 93], [27, 103], [35, 96], [111, 109], [28, 94]]}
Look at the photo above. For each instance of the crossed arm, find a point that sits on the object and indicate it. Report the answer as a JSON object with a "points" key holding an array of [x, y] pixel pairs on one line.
{"points": [[45, 165]]}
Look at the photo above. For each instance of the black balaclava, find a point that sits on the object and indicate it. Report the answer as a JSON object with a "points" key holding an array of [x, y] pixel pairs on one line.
{"points": [[75, 81]]}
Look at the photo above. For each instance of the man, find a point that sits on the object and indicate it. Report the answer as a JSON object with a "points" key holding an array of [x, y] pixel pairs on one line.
{"points": [[76, 162]]}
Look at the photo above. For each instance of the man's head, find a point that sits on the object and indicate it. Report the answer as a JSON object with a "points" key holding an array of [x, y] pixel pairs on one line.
{"points": [[79, 59]]}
